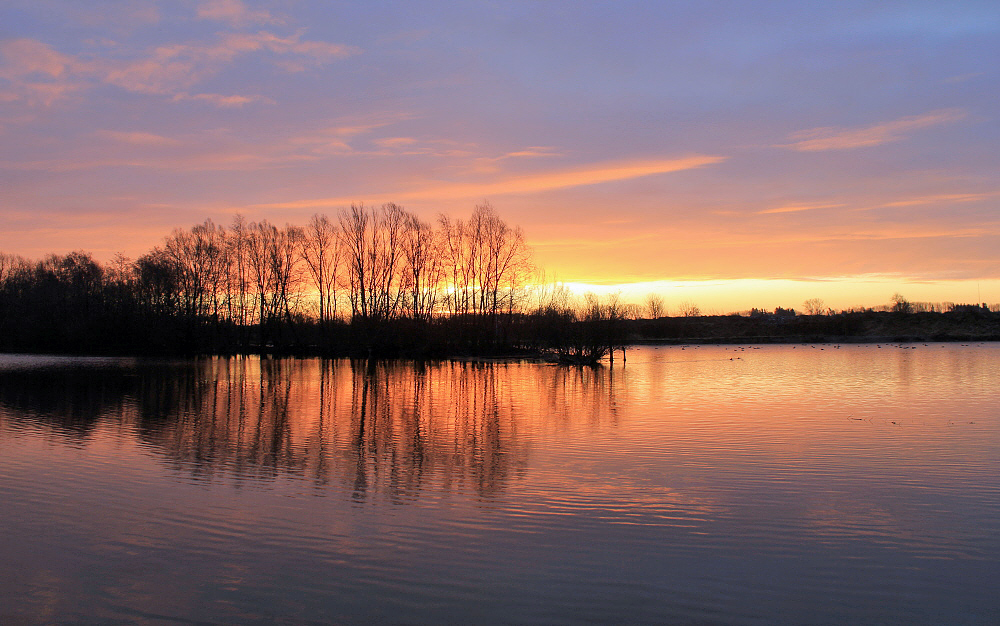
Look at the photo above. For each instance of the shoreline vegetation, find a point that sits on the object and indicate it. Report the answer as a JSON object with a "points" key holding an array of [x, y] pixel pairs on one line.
{"points": [[376, 282]]}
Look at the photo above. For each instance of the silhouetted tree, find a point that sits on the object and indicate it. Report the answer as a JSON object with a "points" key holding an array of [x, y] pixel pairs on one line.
{"points": [[814, 306], [654, 306], [321, 252], [689, 309], [900, 304], [424, 268]]}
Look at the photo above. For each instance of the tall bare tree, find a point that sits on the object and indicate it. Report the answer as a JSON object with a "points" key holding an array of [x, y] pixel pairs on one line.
{"points": [[321, 252], [458, 269], [199, 254], [423, 268], [273, 257], [240, 304], [355, 224]]}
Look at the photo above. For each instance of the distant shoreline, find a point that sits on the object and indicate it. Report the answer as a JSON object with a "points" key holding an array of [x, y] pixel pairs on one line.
{"points": [[709, 341]]}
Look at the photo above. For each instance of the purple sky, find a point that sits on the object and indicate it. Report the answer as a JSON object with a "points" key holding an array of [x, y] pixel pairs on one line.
{"points": [[812, 142]]}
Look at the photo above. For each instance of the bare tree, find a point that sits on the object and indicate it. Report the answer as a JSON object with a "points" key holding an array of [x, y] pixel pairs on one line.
{"points": [[387, 259], [273, 261], [159, 283], [423, 269], [900, 304], [354, 227], [689, 309], [321, 252], [458, 269], [487, 262], [814, 306], [240, 305], [655, 306], [373, 245], [632, 311], [285, 257], [199, 254], [11, 266], [505, 261]]}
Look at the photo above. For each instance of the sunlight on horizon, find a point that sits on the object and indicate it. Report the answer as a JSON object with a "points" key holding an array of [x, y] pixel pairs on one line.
{"points": [[720, 296]]}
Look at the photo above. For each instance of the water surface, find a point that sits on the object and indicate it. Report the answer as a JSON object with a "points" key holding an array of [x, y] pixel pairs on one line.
{"points": [[694, 485]]}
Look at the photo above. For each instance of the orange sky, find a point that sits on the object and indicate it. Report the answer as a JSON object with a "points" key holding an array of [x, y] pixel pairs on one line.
{"points": [[746, 158]]}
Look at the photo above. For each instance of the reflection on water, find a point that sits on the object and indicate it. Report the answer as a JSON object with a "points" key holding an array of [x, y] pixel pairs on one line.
{"points": [[380, 428], [780, 484]]}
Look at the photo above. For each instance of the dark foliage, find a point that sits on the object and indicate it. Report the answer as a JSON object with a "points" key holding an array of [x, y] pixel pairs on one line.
{"points": [[959, 323], [408, 291]]}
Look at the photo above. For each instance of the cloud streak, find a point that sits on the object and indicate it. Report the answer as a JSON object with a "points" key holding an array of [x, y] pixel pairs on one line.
{"points": [[797, 208], [947, 198], [837, 138], [137, 138], [527, 184]]}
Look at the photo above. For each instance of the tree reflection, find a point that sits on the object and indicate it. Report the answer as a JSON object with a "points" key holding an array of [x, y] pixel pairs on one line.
{"points": [[69, 399], [385, 429]]}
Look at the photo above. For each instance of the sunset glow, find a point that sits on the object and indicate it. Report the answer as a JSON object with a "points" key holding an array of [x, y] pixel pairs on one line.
{"points": [[752, 156]]}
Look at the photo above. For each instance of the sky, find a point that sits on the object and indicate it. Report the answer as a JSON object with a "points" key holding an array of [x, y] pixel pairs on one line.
{"points": [[728, 154]]}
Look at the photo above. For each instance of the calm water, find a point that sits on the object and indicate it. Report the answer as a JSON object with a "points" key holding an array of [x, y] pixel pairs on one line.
{"points": [[697, 485]]}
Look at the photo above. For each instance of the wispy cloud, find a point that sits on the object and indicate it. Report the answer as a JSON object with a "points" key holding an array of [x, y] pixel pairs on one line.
{"points": [[796, 208], [484, 165], [362, 125], [222, 101], [531, 152], [961, 78], [531, 183], [137, 138], [38, 74], [234, 12], [938, 198], [838, 138], [395, 142], [336, 139], [888, 233], [176, 68], [317, 51]]}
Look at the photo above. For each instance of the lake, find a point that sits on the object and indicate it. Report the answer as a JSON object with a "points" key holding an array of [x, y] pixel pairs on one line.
{"points": [[792, 484]]}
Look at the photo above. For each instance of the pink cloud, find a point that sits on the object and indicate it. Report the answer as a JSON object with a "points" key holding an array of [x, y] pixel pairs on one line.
{"points": [[234, 12], [137, 138], [25, 57], [219, 100], [38, 73], [836, 138]]}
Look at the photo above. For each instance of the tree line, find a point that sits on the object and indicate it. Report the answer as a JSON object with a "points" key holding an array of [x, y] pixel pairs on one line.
{"points": [[378, 281], [373, 280]]}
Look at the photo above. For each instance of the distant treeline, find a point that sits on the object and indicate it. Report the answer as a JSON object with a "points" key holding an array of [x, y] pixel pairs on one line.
{"points": [[903, 323], [377, 281]]}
